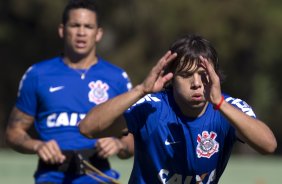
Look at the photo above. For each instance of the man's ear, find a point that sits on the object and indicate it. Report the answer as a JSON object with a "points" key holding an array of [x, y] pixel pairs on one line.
{"points": [[99, 34], [61, 30]]}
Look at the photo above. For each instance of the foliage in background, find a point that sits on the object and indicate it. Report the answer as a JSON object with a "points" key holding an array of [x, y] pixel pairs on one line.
{"points": [[247, 35]]}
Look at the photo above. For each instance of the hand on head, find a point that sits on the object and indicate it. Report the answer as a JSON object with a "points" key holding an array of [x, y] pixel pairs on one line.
{"points": [[213, 88], [157, 77]]}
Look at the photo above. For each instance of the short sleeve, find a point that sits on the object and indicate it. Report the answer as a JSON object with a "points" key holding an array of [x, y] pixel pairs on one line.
{"points": [[26, 99], [132, 119], [126, 84], [143, 115], [242, 105]]}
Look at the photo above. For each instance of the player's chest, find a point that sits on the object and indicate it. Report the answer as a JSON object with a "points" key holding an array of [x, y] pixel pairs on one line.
{"points": [[67, 92], [194, 146]]}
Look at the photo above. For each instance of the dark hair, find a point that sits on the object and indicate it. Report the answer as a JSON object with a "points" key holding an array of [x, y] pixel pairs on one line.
{"points": [[188, 49], [76, 4]]}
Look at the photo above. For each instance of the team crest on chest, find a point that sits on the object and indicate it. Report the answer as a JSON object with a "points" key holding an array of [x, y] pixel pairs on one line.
{"points": [[207, 145], [98, 92]]}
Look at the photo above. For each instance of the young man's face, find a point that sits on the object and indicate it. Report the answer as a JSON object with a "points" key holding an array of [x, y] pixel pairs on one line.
{"points": [[189, 89], [81, 32]]}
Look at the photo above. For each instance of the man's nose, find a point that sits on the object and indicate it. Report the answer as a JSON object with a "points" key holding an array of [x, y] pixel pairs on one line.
{"points": [[196, 81], [81, 30]]}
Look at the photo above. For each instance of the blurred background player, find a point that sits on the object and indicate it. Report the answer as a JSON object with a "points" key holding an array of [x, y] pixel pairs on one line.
{"points": [[181, 119], [55, 94]]}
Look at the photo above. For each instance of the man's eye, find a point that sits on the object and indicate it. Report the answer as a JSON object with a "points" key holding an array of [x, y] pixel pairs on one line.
{"points": [[90, 26], [73, 25], [204, 76], [185, 74]]}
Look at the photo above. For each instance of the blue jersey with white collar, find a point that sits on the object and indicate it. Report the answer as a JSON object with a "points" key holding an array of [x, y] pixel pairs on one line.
{"points": [[171, 148], [58, 97]]}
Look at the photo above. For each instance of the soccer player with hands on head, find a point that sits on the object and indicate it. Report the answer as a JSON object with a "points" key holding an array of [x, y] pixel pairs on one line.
{"points": [[184, 126]]}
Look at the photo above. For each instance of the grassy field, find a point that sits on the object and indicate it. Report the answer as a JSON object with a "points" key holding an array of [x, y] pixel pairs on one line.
{"points": [[17, 168]]}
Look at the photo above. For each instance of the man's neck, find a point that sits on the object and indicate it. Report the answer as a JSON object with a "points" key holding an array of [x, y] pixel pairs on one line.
{"points": [[80, 63], [192, 111]]}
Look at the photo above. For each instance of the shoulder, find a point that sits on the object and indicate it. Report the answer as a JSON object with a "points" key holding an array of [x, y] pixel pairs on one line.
{"points": [[240, 104], [44, 66], [148, 105], [154, 99], [232, 100], [113, 72], [109, 66]]}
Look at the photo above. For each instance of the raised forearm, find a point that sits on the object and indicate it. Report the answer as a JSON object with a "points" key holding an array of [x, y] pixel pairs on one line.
{"points": [[103, 116], [256, 133]]}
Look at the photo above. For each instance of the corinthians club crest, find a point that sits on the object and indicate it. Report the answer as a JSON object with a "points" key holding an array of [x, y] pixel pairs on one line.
{"points": [[98, 92], [207, 144]]}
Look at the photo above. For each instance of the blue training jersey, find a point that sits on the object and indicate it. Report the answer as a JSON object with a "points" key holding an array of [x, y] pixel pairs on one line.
{"points": [[171, 148], [58, 97]]}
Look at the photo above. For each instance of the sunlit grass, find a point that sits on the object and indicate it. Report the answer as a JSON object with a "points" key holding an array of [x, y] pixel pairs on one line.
{"points": [[18, 168]]}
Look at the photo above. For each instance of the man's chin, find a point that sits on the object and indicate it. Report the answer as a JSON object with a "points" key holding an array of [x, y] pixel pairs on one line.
{"points": [[198, 104]]}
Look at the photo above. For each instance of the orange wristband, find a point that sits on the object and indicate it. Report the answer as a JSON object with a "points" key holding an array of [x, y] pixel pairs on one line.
{"points": [[216, 107]]}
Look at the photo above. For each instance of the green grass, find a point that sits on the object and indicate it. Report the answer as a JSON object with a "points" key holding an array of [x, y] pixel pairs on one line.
{"points": [[18, 168], [253, 170]]}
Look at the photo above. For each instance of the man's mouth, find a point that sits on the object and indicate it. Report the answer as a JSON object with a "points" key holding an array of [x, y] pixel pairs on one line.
{"points": [[80, 44], [197, 97]]}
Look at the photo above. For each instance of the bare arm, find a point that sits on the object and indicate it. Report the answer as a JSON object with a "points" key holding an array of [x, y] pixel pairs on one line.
{"points": [[101, 117], [99, 121], [19, 139], [16, 132], [255, 132]]}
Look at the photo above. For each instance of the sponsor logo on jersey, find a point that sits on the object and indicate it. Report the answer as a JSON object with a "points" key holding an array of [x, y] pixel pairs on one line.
{"points": [[166, 177], [167, 143], [207, 145], [63, 119], [98, 92], [54, 89]]}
